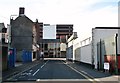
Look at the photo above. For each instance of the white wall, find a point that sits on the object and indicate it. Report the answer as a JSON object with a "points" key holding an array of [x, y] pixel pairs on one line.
{"points": [[81, 52], [0, 37], [77, 54], [85, 55], [77, 50], [49, 32], [98, 34], [119, 41]]}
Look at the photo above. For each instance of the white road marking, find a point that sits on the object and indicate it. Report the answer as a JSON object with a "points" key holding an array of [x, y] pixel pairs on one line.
{"points": [[21, 72], [40, 67], [44, 64], [31, 70], [21, 76], [36, 72], [49, 80]]}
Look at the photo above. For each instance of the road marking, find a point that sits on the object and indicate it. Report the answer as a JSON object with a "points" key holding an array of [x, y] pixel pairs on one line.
{"points": [[40, 67], [92, 80], [44, 64], [36, 72], [84, 72], [14, 73], [21, 76], [10, 78], [31, 70], [49, 80]]}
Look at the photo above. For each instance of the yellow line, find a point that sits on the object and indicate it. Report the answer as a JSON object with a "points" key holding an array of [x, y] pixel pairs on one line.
{"points": [[92, 80]]}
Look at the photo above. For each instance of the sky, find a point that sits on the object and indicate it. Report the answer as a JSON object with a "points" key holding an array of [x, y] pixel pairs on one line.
{"points": [[83, 14]]}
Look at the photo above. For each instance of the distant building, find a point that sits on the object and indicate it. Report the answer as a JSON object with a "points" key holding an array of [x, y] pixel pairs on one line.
{"points": [[3, 32], [3, 46], [39, 30], [49, 31], [64, 31], [23, 35], [55, 46]]}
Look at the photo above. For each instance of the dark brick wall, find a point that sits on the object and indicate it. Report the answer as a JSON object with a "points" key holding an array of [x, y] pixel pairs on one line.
{"points": [[21, 31]]}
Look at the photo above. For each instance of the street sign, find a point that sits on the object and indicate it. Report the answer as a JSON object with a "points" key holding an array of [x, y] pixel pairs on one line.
{"points": [[106, 66]]}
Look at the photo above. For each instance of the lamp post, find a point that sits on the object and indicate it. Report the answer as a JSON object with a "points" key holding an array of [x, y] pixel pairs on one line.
{"points": [[9, 33], [116, 54]]}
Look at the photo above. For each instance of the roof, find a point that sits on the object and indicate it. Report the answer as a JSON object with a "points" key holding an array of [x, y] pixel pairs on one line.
{"points": [[107, 27], [49, 40], [63, 25], [24, 17]]}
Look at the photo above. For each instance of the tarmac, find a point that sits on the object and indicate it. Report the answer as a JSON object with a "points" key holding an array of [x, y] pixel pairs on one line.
{"points": [[92, 73], [20, 67]]}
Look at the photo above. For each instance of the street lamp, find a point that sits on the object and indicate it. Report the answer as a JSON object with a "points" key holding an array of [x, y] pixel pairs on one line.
{"points": [[116, 55], [9, 33]]}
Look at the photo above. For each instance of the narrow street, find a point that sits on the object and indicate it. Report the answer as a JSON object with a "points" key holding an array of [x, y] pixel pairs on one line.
{"points": [[52, 70]]}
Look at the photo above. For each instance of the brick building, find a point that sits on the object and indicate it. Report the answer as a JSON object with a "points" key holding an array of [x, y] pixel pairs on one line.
{"points": [[23, 31], [56, 47]]}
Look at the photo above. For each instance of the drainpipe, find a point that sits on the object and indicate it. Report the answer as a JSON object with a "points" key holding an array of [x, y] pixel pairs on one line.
{"points": [[100, 66], [116, 58], [73, 51]]}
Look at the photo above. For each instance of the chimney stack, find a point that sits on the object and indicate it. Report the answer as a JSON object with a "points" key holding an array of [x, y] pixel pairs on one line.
{"points": [[21, 11]]}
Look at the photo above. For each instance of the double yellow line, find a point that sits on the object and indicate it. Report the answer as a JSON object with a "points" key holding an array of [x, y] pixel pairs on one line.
{"points": [[90, 78]]}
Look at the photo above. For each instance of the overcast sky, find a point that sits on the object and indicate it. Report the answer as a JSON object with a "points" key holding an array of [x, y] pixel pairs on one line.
{"points": [[83, 14]]}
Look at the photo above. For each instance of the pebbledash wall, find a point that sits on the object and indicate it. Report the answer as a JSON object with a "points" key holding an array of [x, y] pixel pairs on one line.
{"points": [[94, 49]]}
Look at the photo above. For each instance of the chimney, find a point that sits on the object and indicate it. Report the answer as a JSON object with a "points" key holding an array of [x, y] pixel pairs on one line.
{"points": [[21, 11]]}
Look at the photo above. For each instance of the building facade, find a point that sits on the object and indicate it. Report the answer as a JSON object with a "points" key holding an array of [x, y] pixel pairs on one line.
{"points": [[50, 47], [22, 32], [71, 47], [103, 43], [55, 47], [63, 31], [102, 47], [3, 46]]}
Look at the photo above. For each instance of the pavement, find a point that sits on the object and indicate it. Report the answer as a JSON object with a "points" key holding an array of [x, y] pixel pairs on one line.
{"points": [[93, 73]]}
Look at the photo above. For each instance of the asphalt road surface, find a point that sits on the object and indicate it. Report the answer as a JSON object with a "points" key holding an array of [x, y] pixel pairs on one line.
{"points": [[49, 70]]}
